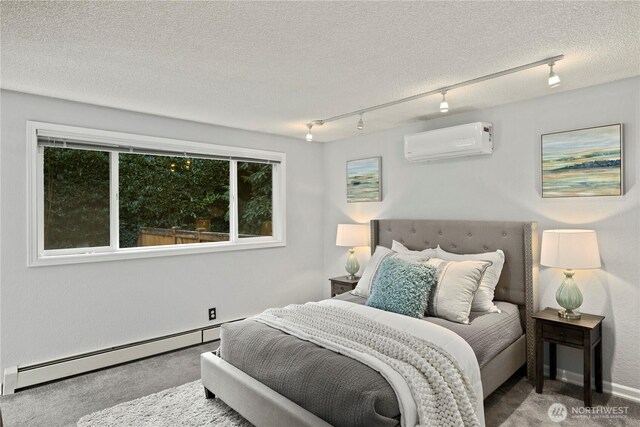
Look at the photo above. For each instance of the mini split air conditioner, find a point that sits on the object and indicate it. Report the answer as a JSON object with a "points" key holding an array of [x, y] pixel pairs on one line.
{"points": [[457, 141]]}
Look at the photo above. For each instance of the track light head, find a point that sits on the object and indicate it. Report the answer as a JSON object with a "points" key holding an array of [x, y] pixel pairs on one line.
{"points": [[444, 105], [309, 135], [554, 79], [360, 123]]}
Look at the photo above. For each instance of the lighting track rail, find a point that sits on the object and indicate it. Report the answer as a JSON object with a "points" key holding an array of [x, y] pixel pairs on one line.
{"points": [[554, 81]]}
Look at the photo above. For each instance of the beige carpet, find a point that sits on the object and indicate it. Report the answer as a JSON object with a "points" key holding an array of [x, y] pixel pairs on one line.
{"points": [[515, 404]]}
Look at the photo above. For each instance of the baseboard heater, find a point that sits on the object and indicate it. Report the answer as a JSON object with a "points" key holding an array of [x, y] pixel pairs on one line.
{"points": [[17, 377]]}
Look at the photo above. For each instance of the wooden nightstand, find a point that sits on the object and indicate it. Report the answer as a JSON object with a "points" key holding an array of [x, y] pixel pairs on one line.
{"points": [[584, 333], [342, 284]]}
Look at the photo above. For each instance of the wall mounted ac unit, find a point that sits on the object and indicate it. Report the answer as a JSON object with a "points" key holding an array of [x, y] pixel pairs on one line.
{"points": [[457, 141]]}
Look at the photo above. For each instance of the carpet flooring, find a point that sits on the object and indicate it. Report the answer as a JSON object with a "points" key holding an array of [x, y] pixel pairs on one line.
{"points": [[516, 404], [63, 403]]}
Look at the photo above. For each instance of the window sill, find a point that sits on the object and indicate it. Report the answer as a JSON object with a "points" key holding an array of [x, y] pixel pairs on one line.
{"points": [[153, 252]]}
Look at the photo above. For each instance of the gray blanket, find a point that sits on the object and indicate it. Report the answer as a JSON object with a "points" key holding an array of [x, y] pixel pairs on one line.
{"points": [[436, 385], [364, 397], [306, 374]]}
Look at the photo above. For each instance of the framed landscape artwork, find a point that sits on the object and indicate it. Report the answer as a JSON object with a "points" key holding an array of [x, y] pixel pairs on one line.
{"points": [[363, 180], [583, 162]]}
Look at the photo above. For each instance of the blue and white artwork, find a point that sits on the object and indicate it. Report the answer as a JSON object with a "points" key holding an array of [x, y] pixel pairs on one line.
{"points": [[363, 180], [583, 162]]}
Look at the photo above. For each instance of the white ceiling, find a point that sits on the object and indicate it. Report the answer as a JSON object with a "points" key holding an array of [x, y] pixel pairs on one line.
{"points": [[273, 66]]}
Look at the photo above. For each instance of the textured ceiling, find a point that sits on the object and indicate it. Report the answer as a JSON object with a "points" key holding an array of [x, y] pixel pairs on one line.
{"points": [[273, 66]]}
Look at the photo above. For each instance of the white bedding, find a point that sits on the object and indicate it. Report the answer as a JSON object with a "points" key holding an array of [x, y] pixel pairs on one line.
{"points": [[451, 342]]}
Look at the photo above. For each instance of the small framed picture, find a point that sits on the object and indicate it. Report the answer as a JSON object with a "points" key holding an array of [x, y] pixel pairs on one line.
{"points": [[583, 162], [364, 181]]}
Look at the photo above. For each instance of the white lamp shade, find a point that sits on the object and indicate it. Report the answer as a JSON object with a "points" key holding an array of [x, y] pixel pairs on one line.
{"points": [[352, 235], [570, 249]]}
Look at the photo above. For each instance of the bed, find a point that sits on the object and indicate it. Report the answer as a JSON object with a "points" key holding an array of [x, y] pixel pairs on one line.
{"points": [[516, 294]]}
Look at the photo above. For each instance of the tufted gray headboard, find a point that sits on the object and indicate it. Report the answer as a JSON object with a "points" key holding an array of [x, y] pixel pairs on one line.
{"points": [[519, 240]]}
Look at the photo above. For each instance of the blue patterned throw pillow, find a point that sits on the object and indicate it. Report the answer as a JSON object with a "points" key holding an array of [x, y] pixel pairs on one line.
{"points": [[402, 287]]}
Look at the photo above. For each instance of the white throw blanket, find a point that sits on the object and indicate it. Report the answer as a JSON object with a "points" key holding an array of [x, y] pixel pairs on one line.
{"points": [[432, 388]]}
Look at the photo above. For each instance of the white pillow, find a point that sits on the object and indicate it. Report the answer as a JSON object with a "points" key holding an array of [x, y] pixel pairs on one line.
{"points": [[483, 300], [452, 295], [402, 249], [363, 288]]}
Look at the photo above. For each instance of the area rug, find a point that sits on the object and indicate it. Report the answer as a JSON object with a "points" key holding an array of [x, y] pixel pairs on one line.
{"points": [[178, 406]]}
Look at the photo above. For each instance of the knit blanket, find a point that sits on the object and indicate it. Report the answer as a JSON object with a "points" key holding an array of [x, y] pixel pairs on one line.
{"points": [[442, 393]]}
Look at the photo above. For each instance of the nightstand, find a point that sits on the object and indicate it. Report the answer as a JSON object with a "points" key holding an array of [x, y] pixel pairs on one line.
{"points": [[342, 284], [584, 333]]}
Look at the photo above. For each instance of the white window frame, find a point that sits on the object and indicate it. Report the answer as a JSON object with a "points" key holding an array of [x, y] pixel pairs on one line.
{"points": [[38, 256]]}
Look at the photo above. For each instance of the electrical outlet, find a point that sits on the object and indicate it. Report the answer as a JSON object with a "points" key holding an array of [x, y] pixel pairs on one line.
{"points": [[212, 313]]}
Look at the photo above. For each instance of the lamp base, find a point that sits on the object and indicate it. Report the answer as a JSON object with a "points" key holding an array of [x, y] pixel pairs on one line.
{"points": [[569, 315], [569, 297], [352, 266], [352, 277]]}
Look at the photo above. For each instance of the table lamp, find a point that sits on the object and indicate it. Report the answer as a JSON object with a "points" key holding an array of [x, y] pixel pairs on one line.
{"points": [[352, 235], [569, 249]]}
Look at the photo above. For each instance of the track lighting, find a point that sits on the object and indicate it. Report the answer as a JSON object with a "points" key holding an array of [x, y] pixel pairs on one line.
{"points": [[554, 79], [444, 105], [309, 136]]}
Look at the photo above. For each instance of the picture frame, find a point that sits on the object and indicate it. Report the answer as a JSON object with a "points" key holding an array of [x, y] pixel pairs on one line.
{"points": [[587, 162], [364, 180]]}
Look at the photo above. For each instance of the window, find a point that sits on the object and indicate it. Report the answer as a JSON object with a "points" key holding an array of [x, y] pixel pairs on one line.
{"points": [[254, 199], [172, 200], [76, 199], [99, 195]]}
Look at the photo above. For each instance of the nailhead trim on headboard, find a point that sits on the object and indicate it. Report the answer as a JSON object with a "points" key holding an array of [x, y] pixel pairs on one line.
{"points": [[531, 292]]}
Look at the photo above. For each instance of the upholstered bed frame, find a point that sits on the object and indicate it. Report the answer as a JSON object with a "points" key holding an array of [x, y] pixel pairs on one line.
{"points": [[518, 282], [518, 285]]}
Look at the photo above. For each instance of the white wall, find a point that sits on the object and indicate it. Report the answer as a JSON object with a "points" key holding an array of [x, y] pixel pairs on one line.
{"points": [[52, 312], [506, 186]]}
